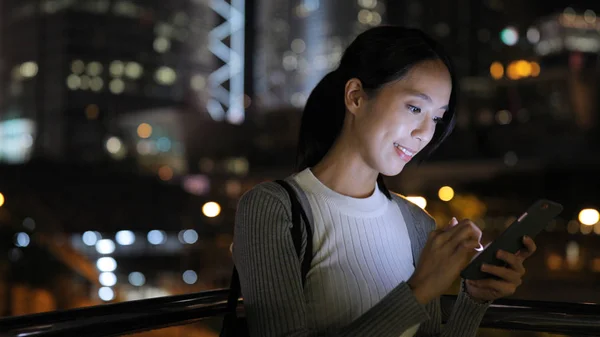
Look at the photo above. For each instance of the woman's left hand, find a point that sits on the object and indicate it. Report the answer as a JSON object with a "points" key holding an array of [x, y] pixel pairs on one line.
{"points": [[510, 276]]}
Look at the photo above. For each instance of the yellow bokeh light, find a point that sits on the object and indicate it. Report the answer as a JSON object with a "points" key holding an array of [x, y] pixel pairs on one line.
{"points": [[589, 216], [144, 130], [497, 70], [523, 68], [211, 209], [512, 72], [446, 193], [419, 201], [1, 199], [535, 69]]}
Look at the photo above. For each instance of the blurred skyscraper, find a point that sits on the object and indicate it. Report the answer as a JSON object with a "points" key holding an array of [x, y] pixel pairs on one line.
{"points": [[72, 68], [298, 42]]}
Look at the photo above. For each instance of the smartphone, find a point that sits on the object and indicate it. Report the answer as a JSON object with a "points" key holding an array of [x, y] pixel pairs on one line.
{"points": [[530, 223]]}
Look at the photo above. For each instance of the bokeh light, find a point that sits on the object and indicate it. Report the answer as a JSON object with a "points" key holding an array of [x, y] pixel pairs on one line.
{"points": [[144, 130], [211, 209], [446, 193], [106, 264], [496, 70], [589, 216]]}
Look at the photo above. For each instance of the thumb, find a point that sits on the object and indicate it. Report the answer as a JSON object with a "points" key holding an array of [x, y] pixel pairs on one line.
{"points": [[453, 222]]}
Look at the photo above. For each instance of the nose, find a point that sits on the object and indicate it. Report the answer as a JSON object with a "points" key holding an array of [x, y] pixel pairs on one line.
{"points": [[424, 130]]}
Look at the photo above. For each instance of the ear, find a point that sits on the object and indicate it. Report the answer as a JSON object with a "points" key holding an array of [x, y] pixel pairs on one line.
{"points": [[354, 95]]}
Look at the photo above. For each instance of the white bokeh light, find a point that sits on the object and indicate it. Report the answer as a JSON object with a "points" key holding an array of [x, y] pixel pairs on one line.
{"points": [[107, 279], [106, 294], [89, 238], [156, 237], [114, 145], [125, 237], [106, 264], [105, 246], [190, 236], [190, 277], [22, 239]]}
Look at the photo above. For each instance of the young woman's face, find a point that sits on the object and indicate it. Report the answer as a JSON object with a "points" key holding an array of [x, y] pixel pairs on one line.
{"points": [[393, 126]]}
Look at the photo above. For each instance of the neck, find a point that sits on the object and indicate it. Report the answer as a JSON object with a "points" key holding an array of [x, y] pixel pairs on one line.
{"points": [[344, 171]]}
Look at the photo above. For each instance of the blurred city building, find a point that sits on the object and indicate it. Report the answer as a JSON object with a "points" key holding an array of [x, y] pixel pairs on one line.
{"points": [[298, 42], [68, 82]]}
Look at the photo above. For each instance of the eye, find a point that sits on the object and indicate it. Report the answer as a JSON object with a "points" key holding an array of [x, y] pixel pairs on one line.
{"points": [[438, 120], [414, 109]]}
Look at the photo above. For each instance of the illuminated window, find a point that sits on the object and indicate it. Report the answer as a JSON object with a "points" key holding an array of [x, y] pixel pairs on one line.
{"points": [[165, 76], [161, 44], [126, 8], [73, 82], [94, 68], [29, 69], [117, 68], [96, 84], [198, 82], [133, 70], [116, 86]]}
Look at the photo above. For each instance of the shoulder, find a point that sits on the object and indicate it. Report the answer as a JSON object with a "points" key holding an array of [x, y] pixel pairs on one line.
{"points": [[267, 198], [417, 212]]}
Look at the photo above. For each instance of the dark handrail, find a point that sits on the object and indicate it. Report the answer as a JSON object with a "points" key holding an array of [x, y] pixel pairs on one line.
{"points": [[143, 315]]}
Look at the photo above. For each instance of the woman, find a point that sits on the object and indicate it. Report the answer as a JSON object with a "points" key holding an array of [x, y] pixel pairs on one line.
{"points": [[378, 263]]}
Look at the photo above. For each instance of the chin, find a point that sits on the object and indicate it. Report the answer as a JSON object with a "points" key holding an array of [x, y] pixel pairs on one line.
{"points": [[391, 171]]}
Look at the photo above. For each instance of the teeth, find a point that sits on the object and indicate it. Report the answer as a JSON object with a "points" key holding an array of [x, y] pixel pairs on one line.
{"points": [[407, 152]]}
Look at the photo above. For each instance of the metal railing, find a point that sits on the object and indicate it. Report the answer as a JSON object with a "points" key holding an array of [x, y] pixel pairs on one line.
{"points": [[582, 319]]}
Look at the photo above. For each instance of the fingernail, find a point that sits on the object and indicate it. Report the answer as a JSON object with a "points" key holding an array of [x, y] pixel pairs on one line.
{"points": [[484, 267], [525, 237]]}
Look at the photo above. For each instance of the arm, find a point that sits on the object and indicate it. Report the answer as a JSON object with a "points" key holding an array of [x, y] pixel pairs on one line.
{"points": [[466, 315], [464, 319], [271, 283]]}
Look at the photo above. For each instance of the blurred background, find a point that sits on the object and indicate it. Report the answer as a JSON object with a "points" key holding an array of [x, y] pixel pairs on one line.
{"points": [[130, 129]]}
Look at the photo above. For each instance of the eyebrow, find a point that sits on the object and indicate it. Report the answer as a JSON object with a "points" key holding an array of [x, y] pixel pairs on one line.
{"points": [[426, 98]]}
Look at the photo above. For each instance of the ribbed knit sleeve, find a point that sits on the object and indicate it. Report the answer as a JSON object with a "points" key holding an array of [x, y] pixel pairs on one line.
{"points": [[271, 283]]}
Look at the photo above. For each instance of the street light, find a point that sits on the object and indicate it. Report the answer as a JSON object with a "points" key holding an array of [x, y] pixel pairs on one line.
{"points": [[446, 193], [211, 209], [589, 216]]}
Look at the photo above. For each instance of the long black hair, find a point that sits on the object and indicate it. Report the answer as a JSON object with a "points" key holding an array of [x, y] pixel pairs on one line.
{"points": [[376, 57]]}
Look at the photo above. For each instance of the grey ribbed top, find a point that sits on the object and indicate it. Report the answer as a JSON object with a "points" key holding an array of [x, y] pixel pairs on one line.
{"points": [[275, 301]]}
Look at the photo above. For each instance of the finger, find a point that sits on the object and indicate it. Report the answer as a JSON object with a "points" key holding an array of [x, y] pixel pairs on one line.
{"points": [[500, 287], [465, 232], [438, 238], [469, 224], [530, 248], [515, 262], [453, 222], [503, 273]]}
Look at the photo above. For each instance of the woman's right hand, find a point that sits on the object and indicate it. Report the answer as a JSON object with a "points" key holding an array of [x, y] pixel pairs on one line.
{"points": [[447, 252]]}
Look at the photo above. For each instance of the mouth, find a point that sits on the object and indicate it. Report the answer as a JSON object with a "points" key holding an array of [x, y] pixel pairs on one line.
{"points": [[405, 153]]}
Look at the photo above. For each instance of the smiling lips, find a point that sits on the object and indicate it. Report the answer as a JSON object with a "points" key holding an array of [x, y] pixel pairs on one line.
{"points": [[405, 154]]}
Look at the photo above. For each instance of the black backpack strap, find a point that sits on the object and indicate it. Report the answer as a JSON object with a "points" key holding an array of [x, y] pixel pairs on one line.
{"points": [[230, 327], [298, 214]]}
